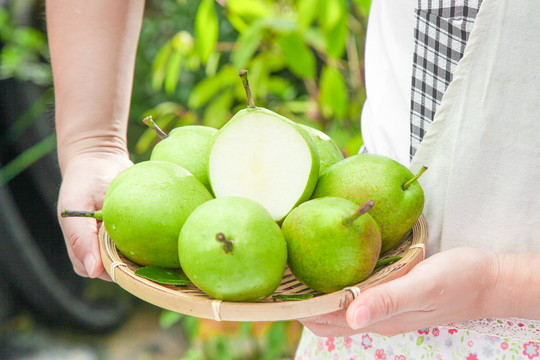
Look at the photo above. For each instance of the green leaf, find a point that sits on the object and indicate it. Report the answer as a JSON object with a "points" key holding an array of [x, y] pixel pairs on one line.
{"points": [[206, 29], [291, 297], [163, 276], [159, 66], [174, 67], [247, 44], [420, 340], [336, 39], [27, 158], [307, 12], [218, 111], [298, 55], [250, 9], [333, 97], [208, 87], [331, 12]]}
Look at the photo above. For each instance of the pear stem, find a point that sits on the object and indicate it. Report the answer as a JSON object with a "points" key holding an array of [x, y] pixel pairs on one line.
{"points": [[244, 76], [77, 213], [226, 243], [409, 183], [364, 208], [150, 122]]}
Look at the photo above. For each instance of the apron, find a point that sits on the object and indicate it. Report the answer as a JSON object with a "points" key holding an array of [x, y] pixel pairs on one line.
{"points": [[482, 187]]}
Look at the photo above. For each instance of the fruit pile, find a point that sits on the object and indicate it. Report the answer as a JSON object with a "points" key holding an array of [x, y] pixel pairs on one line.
{"points": [[233, 207]]}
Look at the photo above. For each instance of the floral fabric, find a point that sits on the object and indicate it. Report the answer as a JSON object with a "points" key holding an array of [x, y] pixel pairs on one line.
{"points": [[440, 343]]}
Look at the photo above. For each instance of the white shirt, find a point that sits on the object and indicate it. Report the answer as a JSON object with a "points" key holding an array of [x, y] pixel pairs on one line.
{"points": [[388, 67]]}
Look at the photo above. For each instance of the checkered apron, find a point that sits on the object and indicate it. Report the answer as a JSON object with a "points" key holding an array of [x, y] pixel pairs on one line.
{"points": [[441, 32]]}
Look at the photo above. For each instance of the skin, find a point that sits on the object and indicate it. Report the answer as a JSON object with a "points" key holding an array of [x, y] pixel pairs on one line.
{"points": [[93, 46], [488, 284], [93, 54]]}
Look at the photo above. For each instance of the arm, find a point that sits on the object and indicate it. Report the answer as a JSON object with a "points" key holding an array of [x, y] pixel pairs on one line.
{"points": [[93, 46], [454, 285]]}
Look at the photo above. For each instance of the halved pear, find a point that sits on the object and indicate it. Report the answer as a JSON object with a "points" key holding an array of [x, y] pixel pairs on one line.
{"points": [[263, 156]]}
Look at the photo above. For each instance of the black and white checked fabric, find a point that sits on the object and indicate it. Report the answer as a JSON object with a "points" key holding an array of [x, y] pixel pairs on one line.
{"points": [[441, 33]]}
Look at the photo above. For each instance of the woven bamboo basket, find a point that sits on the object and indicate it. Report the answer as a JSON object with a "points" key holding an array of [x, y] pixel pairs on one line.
{"points": [[192, 301]]}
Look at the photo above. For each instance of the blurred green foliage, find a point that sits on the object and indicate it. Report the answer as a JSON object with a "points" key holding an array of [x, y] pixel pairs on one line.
{"points": [[304, 57]]}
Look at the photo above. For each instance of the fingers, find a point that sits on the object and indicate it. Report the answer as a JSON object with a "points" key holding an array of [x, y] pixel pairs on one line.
{"points": [[81, 240], [389, 300]]}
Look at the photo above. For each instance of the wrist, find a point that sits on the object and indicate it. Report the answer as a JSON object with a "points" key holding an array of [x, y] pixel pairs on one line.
{"points": [[72, 151]]}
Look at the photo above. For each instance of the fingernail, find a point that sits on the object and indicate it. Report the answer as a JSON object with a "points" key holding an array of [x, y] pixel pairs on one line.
{"points": [[89, 264], [360, 317]]}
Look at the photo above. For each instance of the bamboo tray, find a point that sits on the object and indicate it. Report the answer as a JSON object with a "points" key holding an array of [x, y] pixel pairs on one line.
{"points": [[192, 301]]}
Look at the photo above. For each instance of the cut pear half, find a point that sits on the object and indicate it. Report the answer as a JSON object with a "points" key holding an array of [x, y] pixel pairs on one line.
{"points": [[261, 155]]}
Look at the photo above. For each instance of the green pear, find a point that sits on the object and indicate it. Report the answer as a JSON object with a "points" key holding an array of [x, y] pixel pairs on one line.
{"points": [[395, 189], [329, 152], [232, 249], [186, 146], [331, 243], [265, 157], [144, 209]]}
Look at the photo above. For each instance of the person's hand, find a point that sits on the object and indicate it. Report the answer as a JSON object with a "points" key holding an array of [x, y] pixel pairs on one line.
{"points": [[84, 183], [450, 286]]}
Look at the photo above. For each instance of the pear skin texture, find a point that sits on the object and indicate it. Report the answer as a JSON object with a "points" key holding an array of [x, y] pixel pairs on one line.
{"points": [[188, 147], [329, 152], [365, 177], [253, 269], [145, 207], [325, 253]]}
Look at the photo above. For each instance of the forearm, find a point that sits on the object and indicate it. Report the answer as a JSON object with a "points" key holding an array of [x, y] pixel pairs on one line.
{"points": [[93, 46], [516, 288]]}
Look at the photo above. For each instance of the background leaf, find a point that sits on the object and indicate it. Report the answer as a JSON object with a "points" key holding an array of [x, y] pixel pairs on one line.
{"points": [[206, 29]]}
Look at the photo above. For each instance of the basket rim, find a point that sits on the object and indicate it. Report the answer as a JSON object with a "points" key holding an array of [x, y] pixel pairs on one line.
{"points": [[195, 303]]}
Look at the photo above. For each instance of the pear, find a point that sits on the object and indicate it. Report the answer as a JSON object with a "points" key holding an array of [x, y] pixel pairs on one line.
{"points": [[332, 243], [265, 157], [186, 146], [232, 249], [395, 189], [329, 152], [144, 209]]}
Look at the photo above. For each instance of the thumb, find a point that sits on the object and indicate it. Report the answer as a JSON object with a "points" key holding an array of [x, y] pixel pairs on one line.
{"points": [[384, 301]]}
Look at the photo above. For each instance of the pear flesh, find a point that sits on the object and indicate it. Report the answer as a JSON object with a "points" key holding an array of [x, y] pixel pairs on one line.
{"points": [[263, 156], [332, 243], [233, 250]]}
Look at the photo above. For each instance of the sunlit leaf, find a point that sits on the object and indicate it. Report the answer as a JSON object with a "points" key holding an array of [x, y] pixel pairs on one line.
{"points": [[206, 29], [333, 97], [247, 44], [159, 67], [208, 87], [307, 12], [336, 39], [218, 111], [250, 8], [174, 67], [330, 13], [298, 55]]}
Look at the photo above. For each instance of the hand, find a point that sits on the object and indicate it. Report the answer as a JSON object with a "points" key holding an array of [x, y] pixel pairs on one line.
{"points": [[85, 181], [453, 285]]}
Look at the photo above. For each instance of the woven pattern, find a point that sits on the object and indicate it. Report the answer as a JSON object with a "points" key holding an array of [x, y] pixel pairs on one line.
{"points": [[192, 301], [441, 33]]}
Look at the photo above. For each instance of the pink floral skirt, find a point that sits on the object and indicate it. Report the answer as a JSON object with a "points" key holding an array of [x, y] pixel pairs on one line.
{"points": [[432, 343]]}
